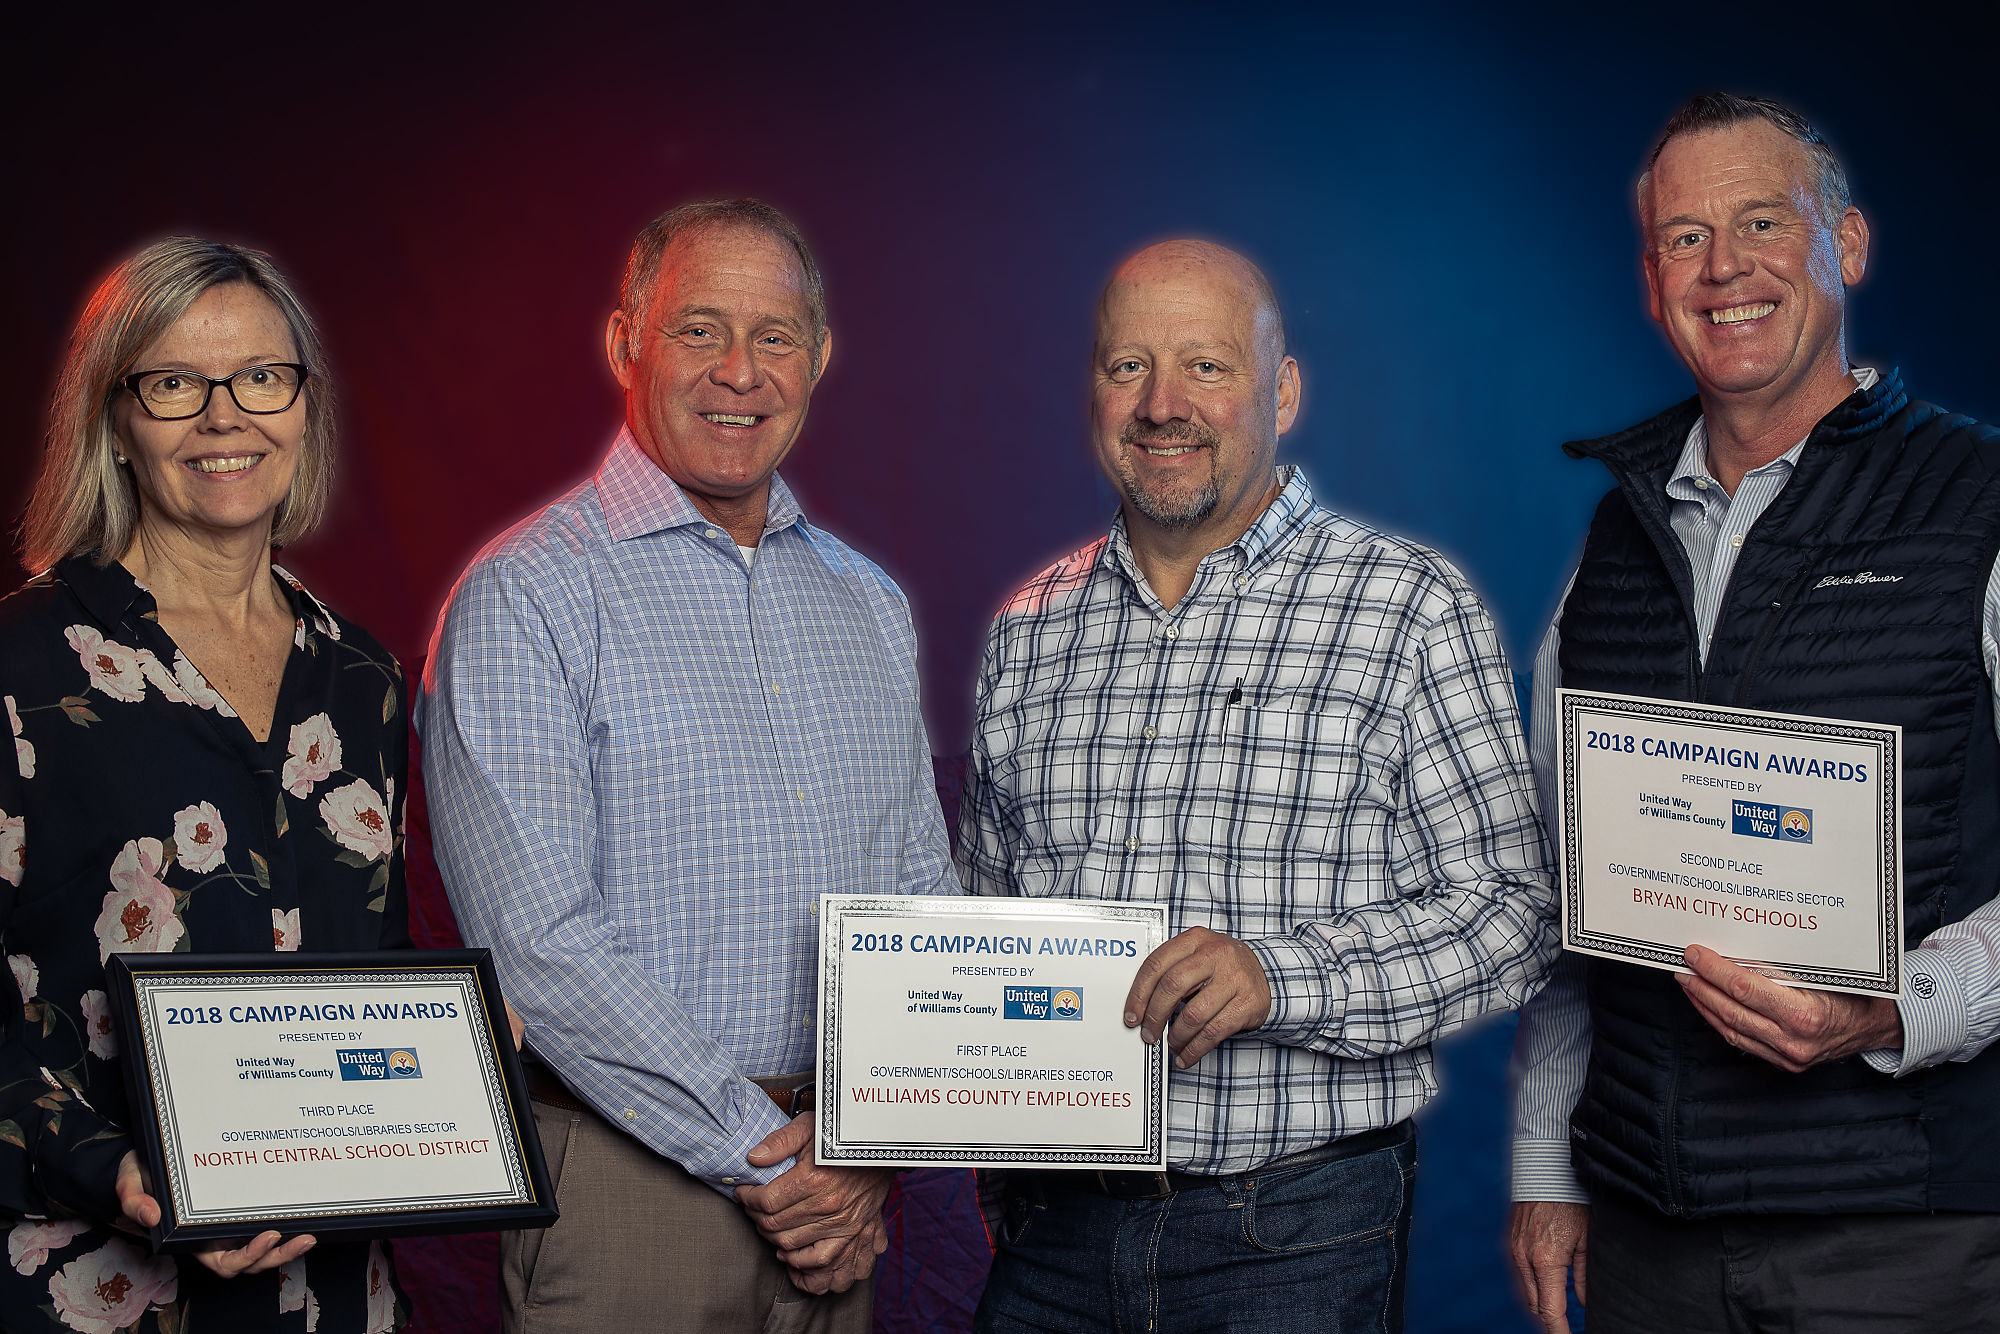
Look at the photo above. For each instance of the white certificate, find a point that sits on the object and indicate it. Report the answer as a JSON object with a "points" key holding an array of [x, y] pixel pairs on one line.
{"points": [[326, 1093], [987, 1032], [1773, 839]]}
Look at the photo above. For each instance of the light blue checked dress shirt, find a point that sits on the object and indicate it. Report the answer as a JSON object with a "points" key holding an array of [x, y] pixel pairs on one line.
{"points": [[1956, 1022], [645, 759]]}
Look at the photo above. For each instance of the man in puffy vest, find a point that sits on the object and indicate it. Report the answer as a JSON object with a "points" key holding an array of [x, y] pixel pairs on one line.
{"points": [[1728, 1152]]}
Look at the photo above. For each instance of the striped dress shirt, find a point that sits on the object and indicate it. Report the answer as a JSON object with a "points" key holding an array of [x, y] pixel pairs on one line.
{"points": [[645, 759], [1317, 751], [1957, 1021]]}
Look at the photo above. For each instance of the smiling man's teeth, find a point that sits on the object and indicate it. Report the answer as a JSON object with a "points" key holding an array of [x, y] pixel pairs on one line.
{"points": [[1738, 314], [1168, 451], [728, 419], [237, 464]]}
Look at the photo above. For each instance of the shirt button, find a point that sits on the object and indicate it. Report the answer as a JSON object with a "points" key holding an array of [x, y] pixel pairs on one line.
{"points": [[806, 1022], [1150, 733], [777, 689], [1701, 484], [1131, 845], [1736, 540], [1242, 582], [801, 793], [713, 533], [813, 907], [631, 1115], [729, 1181], [1173, 633]]}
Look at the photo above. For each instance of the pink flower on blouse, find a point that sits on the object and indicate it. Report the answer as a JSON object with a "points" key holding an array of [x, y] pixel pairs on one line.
{"points": [[13, 848], [114, 669], [29, 1244], [162, 680], [312, 755], [197, 688], [284, 930], [381, 1294], [199, 838], [138, 916], [358, 819], [97, 1023], [24, 750], [112, 1288], [26, 976]]}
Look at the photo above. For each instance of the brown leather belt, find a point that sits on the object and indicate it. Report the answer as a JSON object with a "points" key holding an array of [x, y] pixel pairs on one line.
{"points": [[792, 1093], [543, 1086]]}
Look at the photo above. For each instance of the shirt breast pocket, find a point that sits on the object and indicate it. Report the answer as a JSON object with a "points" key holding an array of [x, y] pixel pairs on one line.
{"points": [[1285, 784]]}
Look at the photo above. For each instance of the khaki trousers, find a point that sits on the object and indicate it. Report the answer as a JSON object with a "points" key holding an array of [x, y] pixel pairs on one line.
{"points": [[641, 1245]]}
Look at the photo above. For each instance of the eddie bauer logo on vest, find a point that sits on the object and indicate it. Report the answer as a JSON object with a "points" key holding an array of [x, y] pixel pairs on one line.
{"points": [[1865, 577]]}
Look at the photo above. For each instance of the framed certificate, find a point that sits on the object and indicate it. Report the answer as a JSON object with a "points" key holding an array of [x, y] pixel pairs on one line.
{"points": [[326, 1093], [1773, 839], [987, 1032]]}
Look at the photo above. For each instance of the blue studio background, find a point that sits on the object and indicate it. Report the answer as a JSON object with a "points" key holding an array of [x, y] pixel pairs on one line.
{"points": [[1441, 195]]}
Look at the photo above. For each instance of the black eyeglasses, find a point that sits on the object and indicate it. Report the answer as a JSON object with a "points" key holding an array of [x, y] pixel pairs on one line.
{"points": [[172, 396]]}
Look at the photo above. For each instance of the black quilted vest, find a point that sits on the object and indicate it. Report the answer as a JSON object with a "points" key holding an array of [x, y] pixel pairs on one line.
{"points": [[1671, 1115]]}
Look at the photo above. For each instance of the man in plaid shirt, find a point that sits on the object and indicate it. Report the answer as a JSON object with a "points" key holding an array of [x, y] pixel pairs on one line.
{"points": [[1301, 734]]}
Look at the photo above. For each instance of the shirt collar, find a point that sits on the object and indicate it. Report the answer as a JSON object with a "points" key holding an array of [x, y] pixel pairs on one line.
{"points": [[109, 592], [1691, 477], [1259, 543], [638, 498]]}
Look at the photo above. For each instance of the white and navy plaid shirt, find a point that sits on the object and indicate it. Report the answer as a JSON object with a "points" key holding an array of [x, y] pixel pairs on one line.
{"points": [[645, 762], [1317, 751]]}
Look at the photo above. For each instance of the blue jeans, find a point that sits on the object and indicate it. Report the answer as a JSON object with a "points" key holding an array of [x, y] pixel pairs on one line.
{"points": [[1320, 1248]]}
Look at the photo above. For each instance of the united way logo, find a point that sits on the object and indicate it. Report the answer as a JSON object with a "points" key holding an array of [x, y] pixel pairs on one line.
{"points": [[1757, 819], [378, 1063], [1041, 1003]]}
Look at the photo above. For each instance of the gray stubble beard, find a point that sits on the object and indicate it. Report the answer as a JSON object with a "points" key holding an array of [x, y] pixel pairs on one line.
{"points": [[1184, 511]]}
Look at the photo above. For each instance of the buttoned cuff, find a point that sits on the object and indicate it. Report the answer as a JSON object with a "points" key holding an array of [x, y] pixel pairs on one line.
{"points": [[1933, 1009], [1307, 1001], [1542, 1172]]}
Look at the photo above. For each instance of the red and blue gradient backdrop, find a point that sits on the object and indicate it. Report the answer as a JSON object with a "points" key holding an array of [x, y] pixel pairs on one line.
{"points": [[1441, 196]]}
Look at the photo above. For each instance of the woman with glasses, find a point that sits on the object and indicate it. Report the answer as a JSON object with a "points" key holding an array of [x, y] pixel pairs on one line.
{"points": [[207, 759]]}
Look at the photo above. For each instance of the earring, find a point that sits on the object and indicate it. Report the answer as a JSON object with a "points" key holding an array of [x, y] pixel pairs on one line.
{"points": [[120, 458]]}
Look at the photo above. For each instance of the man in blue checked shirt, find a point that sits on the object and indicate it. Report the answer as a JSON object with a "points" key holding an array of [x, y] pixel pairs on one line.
{"points": [[1301, 734], [1715, 1149], [661, 717]]}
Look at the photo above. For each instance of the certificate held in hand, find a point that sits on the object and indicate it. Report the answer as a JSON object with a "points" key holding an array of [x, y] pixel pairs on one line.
{"points": [[326, 1093], [1773, 839], [987, 1032]]}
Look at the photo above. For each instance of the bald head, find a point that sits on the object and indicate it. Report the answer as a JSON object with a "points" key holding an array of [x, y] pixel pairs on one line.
{"points": [[1201, 270], [1192, 390]]}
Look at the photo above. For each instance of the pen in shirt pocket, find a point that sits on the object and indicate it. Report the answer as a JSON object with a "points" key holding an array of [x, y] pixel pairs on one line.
{"points": [[1235, 698]]}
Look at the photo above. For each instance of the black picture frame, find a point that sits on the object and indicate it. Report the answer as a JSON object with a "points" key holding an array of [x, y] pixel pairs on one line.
{"points": [[123, 973]]}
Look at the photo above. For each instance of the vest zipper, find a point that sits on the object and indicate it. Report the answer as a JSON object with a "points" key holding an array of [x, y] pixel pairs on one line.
{"points": [[1670, 1138], [1775, 614]]}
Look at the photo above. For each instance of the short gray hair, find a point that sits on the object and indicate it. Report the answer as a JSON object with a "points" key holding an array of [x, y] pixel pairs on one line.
{"points": [[83, 501], [1719, 111], [642, 267]]}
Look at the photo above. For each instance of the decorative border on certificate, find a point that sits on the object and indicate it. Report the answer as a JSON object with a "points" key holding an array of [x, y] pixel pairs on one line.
{"points": [[1880, 743], [840, 913], [274, 1000]]}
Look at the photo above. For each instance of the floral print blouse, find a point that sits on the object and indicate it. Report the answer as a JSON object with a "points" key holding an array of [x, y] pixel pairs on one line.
{"points": [[141, 815]]}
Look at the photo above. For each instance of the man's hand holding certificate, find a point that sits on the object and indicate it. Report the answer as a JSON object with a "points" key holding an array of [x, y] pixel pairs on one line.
{"points": [[989, 1032], [1770, 840]]}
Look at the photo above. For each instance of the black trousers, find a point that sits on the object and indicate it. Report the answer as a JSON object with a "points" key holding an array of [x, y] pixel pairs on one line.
{"points": [[1791, 1273]]}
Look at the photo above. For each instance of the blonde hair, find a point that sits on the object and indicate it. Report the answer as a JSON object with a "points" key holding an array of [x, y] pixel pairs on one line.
{"points": [[83, 501]]}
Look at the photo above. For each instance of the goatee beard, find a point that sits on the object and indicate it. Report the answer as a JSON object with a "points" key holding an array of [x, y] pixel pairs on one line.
{"points": [[1186, 509]]}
